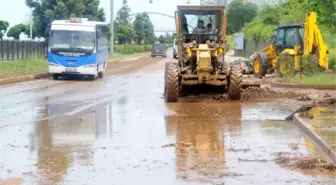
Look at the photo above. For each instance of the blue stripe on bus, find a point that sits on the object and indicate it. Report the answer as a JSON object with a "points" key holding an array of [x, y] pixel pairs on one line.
{"points": [[96, 58]]}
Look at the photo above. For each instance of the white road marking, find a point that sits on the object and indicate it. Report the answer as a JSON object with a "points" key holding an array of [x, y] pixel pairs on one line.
{"points": [[83, 108]]}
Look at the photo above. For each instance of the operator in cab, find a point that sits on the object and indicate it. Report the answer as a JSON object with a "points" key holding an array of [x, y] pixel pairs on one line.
{"points": [[200, 27], [210, 30]]}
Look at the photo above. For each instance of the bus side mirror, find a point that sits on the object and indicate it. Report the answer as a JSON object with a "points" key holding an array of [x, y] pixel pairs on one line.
{"points": [[174, 35]]}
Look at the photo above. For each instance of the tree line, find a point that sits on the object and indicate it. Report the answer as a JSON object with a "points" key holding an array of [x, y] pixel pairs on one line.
{"points": [[44, 12], [258, 22], [141, 30]]}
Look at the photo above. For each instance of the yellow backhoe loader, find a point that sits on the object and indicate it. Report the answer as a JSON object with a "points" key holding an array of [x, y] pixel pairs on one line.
{"points": [[290, 43]]}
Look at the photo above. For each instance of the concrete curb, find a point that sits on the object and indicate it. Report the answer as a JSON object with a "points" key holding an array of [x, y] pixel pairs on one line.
{"points": [[302, 86], [312, 135], [23, 78]]}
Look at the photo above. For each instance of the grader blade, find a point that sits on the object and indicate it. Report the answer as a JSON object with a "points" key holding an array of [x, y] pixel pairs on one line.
{"points": [[247, 85]]}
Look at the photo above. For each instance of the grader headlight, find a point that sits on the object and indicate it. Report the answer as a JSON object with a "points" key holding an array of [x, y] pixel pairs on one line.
{"points": [[220, 50], [188, 50]]}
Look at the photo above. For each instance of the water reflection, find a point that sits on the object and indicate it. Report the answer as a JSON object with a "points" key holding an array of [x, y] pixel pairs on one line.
{"points": [[53, 162], [64, 140], [199, 131]]}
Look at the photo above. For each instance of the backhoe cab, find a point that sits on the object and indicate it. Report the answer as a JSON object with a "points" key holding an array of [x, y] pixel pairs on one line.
{"points": [[201, 38], [290, 42]]}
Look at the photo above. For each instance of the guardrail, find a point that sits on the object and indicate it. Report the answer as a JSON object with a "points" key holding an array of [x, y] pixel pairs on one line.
{"points": [[16, 50]]}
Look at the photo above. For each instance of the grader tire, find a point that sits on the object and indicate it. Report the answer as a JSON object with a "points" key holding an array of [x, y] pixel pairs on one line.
{"points": [[226, 68], [235, 83], [225, 65], [171, 89]]}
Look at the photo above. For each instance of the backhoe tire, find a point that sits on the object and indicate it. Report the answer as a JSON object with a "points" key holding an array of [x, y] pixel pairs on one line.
{"points": [[259, 67], [235, 82], [285, 65], [171, 88]]}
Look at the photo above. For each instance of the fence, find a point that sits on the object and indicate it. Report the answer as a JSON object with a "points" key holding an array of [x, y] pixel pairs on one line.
{"points": [[14, 49]]}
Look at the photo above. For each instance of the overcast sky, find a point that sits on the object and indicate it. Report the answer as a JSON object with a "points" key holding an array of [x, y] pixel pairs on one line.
{"points": [[16, 11]]}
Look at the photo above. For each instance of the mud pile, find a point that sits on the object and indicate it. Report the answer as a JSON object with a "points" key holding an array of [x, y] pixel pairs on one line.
{"points": [[319, 106], [294, 162], [257, 93]]}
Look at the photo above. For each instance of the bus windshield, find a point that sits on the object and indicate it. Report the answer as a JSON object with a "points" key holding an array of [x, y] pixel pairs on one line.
{"points": [[72, 40]]}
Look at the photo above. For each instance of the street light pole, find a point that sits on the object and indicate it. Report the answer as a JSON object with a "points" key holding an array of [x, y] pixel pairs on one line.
{"points": [[111, 26]]}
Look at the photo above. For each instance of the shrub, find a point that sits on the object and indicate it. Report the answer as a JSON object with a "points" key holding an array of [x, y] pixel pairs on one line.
{"points": [[132, 48], [332, 58]]}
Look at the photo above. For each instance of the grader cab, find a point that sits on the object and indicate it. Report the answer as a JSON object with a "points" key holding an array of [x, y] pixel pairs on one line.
{"points": [[201, 37]]}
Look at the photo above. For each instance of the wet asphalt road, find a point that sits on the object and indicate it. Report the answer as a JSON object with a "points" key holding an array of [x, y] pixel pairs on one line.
{"points": [[119, 131]]}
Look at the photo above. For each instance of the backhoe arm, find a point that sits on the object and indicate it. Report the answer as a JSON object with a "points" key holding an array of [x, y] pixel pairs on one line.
{"points": [[313, 41]]}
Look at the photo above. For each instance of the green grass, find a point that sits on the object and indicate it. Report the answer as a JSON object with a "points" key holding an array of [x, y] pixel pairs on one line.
{"points": [[22, 67], [319, 79]]}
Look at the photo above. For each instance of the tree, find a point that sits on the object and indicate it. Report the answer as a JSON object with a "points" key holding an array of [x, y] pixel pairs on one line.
{"points": [[15, 31], [144, 29], [123, 15], [48, 10], [294, 11], [3, 28], [149, 30], [162, 39], [261, 27], [240, 12], [122, 25], [138, 26], [123, 33]]}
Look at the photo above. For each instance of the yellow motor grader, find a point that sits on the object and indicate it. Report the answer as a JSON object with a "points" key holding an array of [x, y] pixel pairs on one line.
{"points": [[201, 38], [290, 43]]}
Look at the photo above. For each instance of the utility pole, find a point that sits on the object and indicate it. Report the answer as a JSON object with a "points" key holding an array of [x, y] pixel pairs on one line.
{"points": [[111, 26], [31, 25]]}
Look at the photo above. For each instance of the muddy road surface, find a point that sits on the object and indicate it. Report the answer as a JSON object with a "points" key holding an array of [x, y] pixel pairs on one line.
{"points": [[118, 131]]}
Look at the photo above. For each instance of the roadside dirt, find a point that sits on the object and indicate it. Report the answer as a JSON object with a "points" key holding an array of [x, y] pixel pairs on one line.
{"points": [[301, 94], [124, 66], [298, 162]]}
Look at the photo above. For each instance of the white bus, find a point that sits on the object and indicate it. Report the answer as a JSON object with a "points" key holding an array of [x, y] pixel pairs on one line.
{"points": [[78, 47]]}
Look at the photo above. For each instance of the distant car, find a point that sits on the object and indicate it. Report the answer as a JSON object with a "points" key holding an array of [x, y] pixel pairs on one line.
{"points": [[175, 49], [159, 50]]}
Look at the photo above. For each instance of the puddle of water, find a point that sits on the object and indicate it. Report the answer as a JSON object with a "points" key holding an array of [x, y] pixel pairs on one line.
{"points": [[120, 141]]}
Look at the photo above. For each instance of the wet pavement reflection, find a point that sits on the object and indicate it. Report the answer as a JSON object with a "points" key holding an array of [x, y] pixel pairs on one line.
{"points": [[126, 134]]}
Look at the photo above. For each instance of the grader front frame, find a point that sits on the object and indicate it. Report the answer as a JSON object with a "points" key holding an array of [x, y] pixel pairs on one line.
{"points": [[201, 53]]}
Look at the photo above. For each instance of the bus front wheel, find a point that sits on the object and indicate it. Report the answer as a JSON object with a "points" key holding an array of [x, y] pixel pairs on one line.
{"points": [[91, 77], [55, 76], [101, 74]]}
